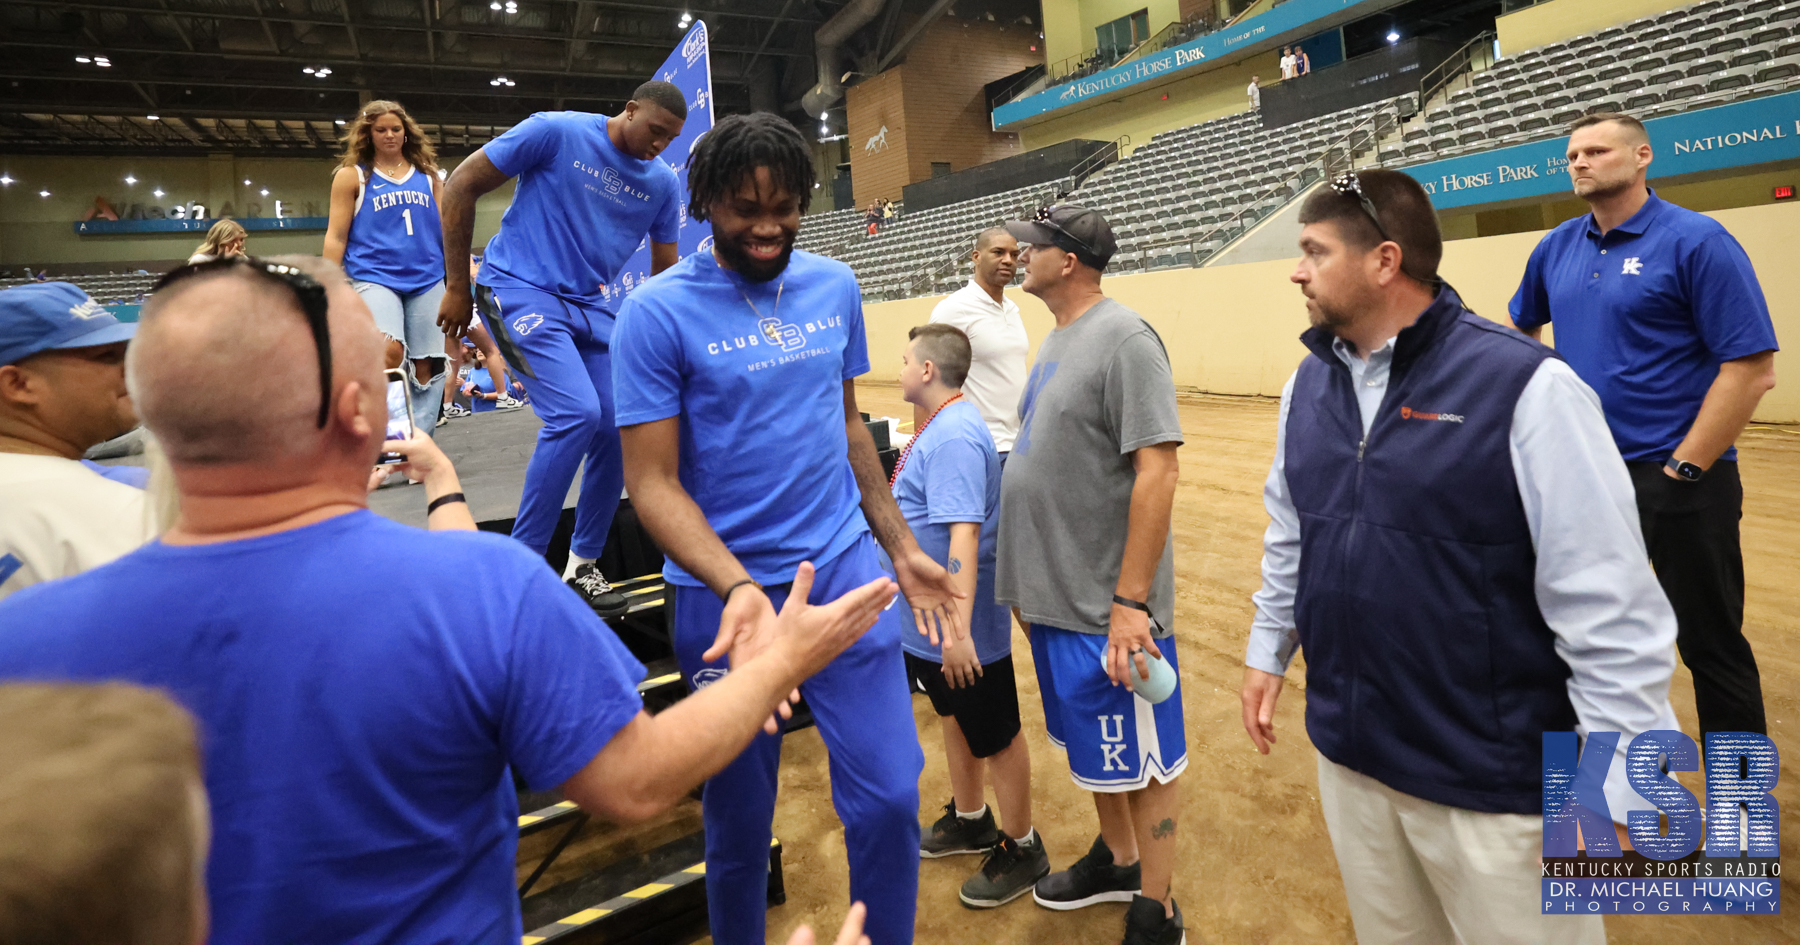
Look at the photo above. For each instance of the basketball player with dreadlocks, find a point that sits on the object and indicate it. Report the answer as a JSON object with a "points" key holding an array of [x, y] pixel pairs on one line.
{"points": [[590, 191], [746, 455]]}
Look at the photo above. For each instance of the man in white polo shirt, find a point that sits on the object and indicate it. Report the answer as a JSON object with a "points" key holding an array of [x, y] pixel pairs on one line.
{"points": [[62, 390], [996, 380]]}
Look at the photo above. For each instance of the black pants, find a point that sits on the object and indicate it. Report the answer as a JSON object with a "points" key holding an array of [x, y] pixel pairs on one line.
{"points": [[1691, 529]]}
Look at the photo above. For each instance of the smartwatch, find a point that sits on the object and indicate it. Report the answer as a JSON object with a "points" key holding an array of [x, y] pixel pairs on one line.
{"points": [[1684, 470]]}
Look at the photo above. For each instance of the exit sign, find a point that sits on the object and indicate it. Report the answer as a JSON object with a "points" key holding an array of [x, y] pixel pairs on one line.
{"points": [[1784, 192]]}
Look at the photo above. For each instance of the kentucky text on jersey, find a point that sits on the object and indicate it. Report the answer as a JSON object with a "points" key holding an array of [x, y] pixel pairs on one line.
{"points": [[397, 197]]}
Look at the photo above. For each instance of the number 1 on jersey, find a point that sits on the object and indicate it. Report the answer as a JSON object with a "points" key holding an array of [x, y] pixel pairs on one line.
{"points": [[407, 213]]}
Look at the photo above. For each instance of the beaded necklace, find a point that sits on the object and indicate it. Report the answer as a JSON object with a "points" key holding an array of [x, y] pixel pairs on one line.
{"points": [[907, 450]]}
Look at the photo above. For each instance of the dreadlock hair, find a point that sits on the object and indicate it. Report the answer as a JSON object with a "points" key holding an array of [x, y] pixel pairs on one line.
{"points": [[736, 147], [666, 94]]}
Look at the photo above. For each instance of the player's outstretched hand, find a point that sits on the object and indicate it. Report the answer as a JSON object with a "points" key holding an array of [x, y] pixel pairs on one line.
{"points": [[1259, 694], [456, 310], [816, 634], [746, 628], [850, 934], [1128, 633], [932, 596]]}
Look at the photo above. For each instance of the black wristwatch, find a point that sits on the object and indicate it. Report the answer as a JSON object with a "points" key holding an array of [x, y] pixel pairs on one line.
{"points": [[1684, 470]]}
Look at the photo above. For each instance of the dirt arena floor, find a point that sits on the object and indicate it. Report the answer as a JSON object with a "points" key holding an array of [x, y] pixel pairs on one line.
{"points": [[1256, 865]]}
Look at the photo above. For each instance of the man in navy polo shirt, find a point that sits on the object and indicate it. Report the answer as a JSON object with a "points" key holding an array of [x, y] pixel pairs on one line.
{"points": [[1450, 541], [1658, 309]]}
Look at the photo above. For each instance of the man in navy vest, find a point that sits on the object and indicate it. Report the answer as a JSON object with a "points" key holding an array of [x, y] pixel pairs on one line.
{"points": [[1659, 309], [1454, 541]]}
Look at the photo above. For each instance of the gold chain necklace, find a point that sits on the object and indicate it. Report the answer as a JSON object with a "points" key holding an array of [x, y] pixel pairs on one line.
{"points": [[907, 450], [768, 331]]}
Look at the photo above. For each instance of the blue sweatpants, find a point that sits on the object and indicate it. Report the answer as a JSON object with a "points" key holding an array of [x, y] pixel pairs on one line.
{"points": [[556, 349], [864, 712]]}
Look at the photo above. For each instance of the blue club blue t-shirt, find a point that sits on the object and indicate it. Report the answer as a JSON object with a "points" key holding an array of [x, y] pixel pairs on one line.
{"points": [[952, 474], [356, 721], [764, 451], [1645, 315], [580, 209]]}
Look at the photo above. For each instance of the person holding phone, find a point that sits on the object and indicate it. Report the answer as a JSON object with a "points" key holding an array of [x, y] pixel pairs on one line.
{"points": [[385, 231]]}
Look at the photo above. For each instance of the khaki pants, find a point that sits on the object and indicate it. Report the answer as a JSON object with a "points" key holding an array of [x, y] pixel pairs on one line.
{"points": [[1421, 873]]}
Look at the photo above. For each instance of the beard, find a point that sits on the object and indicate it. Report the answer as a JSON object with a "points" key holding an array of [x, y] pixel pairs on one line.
{"points": [[1332, 318], [739, 260], [1600, 188]]}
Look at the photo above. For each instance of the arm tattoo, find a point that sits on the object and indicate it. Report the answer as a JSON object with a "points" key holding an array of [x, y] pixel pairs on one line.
{"points": [[1163, 830], [955, 565]]}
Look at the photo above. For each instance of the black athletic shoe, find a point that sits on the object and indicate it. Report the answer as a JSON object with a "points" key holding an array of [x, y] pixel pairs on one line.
{"points": [[1092, 879], [593, 588], [1009, 871], [952, 835], [1145, 924]]}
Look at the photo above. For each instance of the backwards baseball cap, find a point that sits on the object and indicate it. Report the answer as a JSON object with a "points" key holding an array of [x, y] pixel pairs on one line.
{"points": [[47, 316], [1071, 229]]}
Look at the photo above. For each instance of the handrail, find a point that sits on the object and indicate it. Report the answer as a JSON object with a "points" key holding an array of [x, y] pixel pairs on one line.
{"points": [[1462, 60], [1101, 157], [1348, 145]]}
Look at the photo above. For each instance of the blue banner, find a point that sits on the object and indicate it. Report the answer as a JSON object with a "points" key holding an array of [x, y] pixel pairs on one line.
{"points": [[689, 67], [1736, 135], [1265, 27], [252, 224]]}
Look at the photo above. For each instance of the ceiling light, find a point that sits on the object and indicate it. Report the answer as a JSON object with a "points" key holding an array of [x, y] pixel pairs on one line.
{"points": [[6, 180], [265, 191], [103, 63], [153, 118], [158, 191], [130, 179], [495, 5], [84, 60], [1393, 37], [246, 182], [340, 122], [43, 193], [308, 70], [824, 115], [824, 129], [502, 80], [511, 7]]}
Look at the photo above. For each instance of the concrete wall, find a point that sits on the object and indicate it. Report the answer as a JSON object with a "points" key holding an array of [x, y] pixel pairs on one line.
{"points": [[1235, 329], [933, 106], [38, 230], [1560, 19], [1212, 94], [1069, 24]]}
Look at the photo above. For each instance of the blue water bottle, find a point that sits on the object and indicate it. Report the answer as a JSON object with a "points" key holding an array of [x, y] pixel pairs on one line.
{"points": [[1162, 681]]}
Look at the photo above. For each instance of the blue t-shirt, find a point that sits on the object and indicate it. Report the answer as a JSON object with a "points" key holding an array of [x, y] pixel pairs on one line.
{"points": [[764, 451], [581, 207], [1645, 315], [395, 237], [137, 477], [952, 475], [484, 384], [356, 721]]}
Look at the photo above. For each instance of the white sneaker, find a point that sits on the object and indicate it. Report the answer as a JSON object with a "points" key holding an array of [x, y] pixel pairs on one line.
{"points": [[508, 402], [454, 411]]}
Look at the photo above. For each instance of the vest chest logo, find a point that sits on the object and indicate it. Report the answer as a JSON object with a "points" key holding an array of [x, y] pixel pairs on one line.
{"points": [[1633, 267], [1407, 413]]}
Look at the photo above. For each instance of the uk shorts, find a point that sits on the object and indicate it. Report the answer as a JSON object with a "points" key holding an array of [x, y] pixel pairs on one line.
{"points": [[1116, 740], [987, 712]]}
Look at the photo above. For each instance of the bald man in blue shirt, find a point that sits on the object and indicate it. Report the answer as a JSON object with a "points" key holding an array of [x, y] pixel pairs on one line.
{"points": [[1658, 309]]}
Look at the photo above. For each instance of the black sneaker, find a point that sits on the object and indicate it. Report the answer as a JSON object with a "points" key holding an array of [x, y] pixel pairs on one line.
{"points": [[593, 588], [1009, 871], [952, 835], [1145, 924], [1092, 879]]}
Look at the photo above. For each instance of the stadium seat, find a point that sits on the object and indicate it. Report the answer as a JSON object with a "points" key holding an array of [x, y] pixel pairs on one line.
{"points": [[1664, 45], [1416, 148], [1648, 64], [1788, 48], [1664, 77], [1471, 137], [1687, 88], [1641, 101], [1634, 83], [1707, 67], [1686, 54], [1590, 94], [1752, 57], [1565, 116], [1731, 79], [1603, 105], [1612, 72], [1729, 44], [1784, 68], [1769, 34], [1534, 123]]}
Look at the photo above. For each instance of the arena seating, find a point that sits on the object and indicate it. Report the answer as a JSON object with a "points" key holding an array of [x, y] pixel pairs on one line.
{"points": [[827, 233], [894, 263], [1693, 57], [108, 288]]}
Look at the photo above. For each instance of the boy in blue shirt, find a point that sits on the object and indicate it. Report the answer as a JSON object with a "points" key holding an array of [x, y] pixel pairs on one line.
{"points": [[947, 484], [746, 455], [590, 192]]}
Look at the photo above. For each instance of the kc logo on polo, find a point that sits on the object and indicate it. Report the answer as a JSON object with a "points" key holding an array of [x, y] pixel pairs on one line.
{"points": [[1633, 267]]}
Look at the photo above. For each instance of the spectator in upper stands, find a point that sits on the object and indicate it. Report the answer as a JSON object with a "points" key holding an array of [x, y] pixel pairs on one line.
{"points": [[1288, 62], [996, 334], [1255, 93], [1659, 310], [359, 723], [103, 820], [872, 216], [62, 390], [1302, 62], [226, 238]]}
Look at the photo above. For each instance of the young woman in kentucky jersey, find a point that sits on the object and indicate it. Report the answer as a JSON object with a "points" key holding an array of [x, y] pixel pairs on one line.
{"points": [[384, 231], [590, 191]]}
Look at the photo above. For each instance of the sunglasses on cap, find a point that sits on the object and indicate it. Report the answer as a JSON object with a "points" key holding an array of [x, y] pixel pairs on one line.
{"points": [[1042, 218], [307, 291]]}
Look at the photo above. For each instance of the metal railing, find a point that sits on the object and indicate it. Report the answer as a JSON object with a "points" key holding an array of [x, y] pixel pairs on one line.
{"points": [[1337, 157], [1460, 64], [1174, 34]]}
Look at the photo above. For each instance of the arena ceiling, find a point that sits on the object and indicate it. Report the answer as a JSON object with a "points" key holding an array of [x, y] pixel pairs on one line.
{"points": [[273, 76]]}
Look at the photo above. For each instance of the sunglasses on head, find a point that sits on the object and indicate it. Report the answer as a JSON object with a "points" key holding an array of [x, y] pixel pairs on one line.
{"points": [[307, 291], [1351, 186], [1042, 217]]}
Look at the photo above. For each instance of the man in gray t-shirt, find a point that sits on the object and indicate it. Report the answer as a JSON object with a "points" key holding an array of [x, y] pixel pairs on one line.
{"points": [[1086, 561]]}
